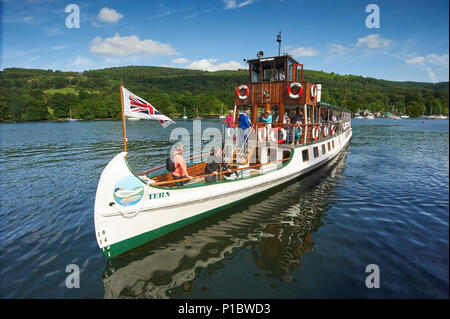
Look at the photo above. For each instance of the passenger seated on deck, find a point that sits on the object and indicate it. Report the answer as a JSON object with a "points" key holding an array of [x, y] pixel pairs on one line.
{"points": [[215, 164], [180, 164]]}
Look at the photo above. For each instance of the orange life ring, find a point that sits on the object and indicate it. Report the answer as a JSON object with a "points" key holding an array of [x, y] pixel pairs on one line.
{"points": [[315, 136], [333, 129], [247, 92], [300, 90], [272, 135]]}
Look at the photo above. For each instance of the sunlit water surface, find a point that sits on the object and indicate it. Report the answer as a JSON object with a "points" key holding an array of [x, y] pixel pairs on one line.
{"points": [[384, 201]]}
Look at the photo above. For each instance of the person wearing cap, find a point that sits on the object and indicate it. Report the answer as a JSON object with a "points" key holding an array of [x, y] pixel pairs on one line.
{"points": [[267, 119]]}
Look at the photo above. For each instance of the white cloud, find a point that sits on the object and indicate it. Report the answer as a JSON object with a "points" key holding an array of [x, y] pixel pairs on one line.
{"points": [[164, 11], [59, 47], [438, 60], [180, 61], [431, 63], [339, 49], [80, 61], [233, 4], [431, 74], [109, 15], [373, 41], [299, 52], [118, 46], [209, 65], [418, 59]]}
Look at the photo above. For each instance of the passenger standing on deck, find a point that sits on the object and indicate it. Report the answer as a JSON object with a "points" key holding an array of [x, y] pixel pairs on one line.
{"points": [[229, 120], [244, 124], [180, 164], [267, 119]]}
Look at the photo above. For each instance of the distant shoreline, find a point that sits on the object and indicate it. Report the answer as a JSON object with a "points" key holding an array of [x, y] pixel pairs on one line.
{"points": [[97, 119]]}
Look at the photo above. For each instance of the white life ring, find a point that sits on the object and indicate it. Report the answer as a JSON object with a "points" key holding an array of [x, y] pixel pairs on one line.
{"points": [[243, 87], [325, 131], [313, 91], [300, 90], [272, 135], [315, 135], [261, 132]]}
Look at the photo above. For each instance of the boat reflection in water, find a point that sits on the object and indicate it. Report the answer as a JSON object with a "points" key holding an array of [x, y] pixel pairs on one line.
{"points": [[274, 229]]}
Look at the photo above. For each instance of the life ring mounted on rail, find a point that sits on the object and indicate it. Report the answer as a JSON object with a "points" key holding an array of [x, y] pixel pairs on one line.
{"points": [[325, 131], [332, 130], [315, 133], [247, 92], [283, 132], [313, 92], [299, 87]]}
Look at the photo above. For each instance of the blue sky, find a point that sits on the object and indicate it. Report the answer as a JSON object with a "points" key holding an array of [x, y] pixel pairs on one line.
{"points": [[411, 43]]}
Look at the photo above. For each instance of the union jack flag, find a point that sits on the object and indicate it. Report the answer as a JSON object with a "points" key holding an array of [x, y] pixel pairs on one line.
{"points": [[134, 106]]}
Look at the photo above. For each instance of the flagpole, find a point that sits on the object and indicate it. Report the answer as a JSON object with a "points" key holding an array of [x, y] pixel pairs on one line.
{"points": [[123, 121]]}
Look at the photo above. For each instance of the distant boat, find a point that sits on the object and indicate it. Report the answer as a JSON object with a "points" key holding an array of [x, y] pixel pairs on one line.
{"points": [[396, 118], [133, 119], [359, 117], [370, 117], [184, 114], [404, 116], [438, 117], [70, 117]]}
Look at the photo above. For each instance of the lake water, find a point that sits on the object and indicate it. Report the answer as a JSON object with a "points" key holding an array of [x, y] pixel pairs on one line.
{"points": [[384, 201]]}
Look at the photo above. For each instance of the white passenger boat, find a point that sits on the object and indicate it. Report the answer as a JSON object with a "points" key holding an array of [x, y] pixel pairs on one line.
{"points": [[133, 208]]}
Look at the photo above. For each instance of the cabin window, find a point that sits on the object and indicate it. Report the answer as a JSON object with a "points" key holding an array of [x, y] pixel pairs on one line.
{"points": [[305, 155], [256, 72], [299, 73], [323, 149], [268, 74], [329, 146], [286, 154], [333, 143], [280, 70], [316, 151], [291, 70]]}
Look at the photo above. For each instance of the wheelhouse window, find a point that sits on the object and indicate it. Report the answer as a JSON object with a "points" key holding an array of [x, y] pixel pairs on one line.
{"points": [[280, 72], [268, 70], [291, 70], [323, 149], [256, 72]]}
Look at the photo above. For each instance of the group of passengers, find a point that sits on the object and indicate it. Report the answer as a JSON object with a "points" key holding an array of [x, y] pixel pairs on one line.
{"points": [[214, 165]]}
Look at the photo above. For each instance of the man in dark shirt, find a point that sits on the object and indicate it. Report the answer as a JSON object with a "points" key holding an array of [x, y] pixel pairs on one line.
{"points": [[215, 164]]}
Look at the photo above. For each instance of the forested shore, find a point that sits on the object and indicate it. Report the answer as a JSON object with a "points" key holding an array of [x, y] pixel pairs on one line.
{"points": [[35, 94]]}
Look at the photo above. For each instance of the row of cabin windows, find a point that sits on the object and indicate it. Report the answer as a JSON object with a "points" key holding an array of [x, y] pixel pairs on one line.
{"points": [[305, 153]]}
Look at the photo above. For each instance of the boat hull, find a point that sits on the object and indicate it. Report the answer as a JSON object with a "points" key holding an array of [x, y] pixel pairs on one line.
{"points": [[123, 223]]}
